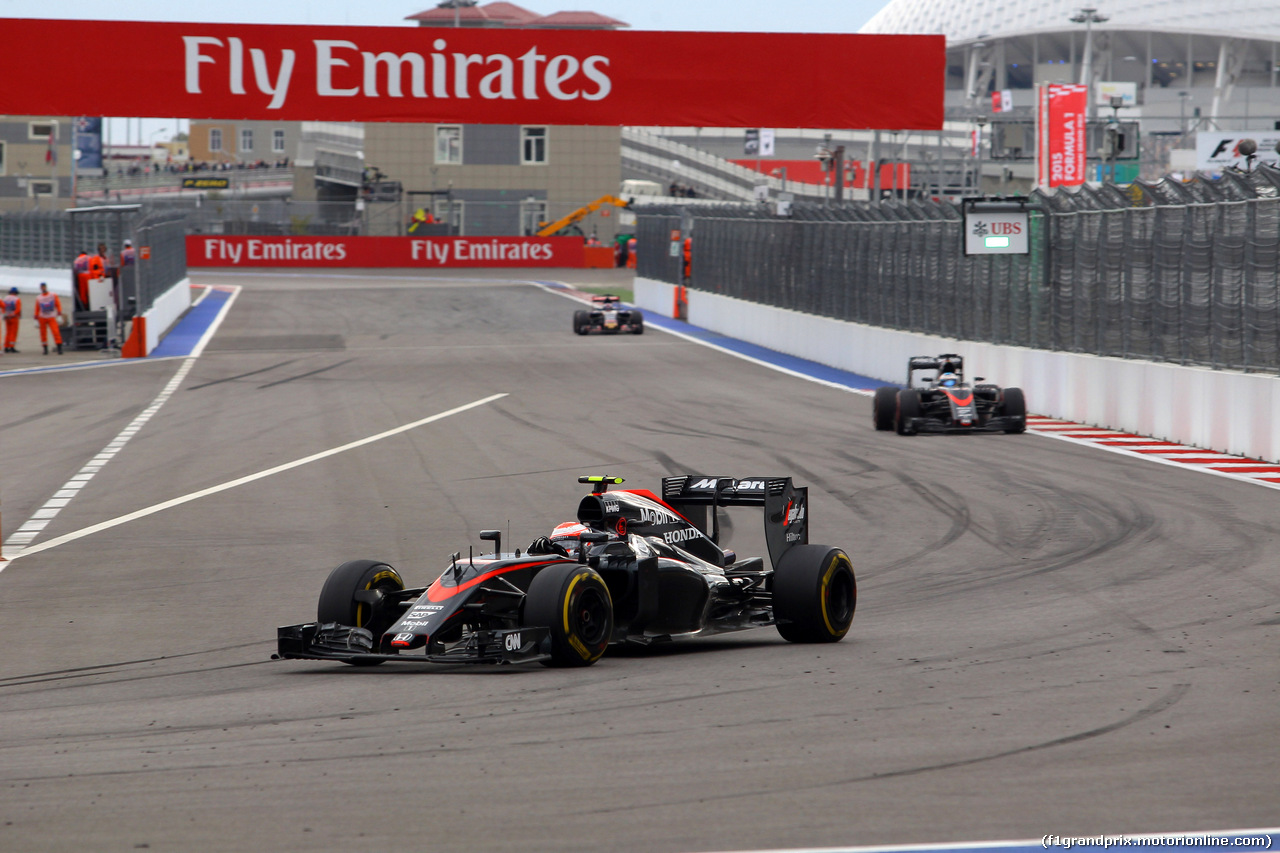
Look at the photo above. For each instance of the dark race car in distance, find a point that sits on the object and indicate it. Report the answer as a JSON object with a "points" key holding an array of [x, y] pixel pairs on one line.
{"points": [[608, 315], [945, 402], [639, 568]]}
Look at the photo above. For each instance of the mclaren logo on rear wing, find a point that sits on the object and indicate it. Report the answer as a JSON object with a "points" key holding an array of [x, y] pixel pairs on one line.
{"points": [[786, 506]]}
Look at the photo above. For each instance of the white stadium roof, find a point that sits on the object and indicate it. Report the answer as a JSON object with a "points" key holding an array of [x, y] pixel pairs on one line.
{"points": [[970, 20]]}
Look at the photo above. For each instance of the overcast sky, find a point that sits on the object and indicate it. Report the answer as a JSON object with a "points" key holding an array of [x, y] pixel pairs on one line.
{"points": [[794, 16]]}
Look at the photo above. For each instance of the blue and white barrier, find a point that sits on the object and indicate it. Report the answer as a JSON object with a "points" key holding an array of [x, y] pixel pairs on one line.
{"points": [[1215, 409]]}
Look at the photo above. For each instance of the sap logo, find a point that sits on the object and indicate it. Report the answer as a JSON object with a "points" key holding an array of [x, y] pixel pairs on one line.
{"points": [[657, 516], [512, 642], [672, 537], [402, 639], [795, 513]]}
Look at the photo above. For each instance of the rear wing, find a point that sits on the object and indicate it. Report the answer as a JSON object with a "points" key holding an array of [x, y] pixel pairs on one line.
{"points": [[786, 506], [605, 300]]}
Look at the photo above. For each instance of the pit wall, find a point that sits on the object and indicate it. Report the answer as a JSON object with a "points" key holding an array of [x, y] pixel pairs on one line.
{"points": [[166, 310], [1215, 409]]}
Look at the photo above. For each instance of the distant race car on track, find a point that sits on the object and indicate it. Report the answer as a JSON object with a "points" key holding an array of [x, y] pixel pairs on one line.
{"points": [[634, 567], [608, 315], [946, 403]]}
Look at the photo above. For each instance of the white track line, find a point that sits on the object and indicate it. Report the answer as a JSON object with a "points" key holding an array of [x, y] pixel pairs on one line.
{"points": [[17, 544], [41, 518], [231, 484]]}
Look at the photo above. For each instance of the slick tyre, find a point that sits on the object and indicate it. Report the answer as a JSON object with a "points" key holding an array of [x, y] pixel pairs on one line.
{"points": [[814, 594], [908, 408], [884, 407], [580, 322], [637, 322], [344, 598], [1015, 409], [574, 603]]}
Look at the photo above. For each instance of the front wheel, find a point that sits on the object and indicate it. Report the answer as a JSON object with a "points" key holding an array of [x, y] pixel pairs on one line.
{"points": [[907, 410], [580, 322], [1015, 409], [574, 603], [350, 597], [884, 407], [814, 594], [637, 322]]}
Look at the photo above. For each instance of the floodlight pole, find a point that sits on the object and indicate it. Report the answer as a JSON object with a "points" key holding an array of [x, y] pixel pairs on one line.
{"points": [[1088, 16]]}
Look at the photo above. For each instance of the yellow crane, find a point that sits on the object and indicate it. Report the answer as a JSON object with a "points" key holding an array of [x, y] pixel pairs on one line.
{"points": [[578, 215]]}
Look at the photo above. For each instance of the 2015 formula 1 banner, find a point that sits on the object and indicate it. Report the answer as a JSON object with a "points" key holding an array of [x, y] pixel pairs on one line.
{"points": [[479, 76], [430, 252], [1060, 135]]}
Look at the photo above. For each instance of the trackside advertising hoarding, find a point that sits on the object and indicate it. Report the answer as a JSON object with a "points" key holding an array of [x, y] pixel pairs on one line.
{"points": [[397, 252], [479, 76], [1060, 135]]}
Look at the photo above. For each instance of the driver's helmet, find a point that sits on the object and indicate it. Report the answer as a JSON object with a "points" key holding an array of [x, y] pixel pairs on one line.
{"points": [[948, 380], [566, 536]]}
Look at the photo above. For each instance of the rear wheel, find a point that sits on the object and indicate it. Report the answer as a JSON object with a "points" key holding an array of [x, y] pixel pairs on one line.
{"points": [[574, 603], [814, 594], [1015, 409], [906, 411], [580, 321], [884, 407], [349, 597]]}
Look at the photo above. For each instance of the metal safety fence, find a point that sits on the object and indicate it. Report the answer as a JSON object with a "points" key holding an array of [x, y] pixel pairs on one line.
{"points": [[1167, 271], [54, 239]]}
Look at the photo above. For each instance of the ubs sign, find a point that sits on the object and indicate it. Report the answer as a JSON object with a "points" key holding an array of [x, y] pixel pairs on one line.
{"points": [[996, 229]]}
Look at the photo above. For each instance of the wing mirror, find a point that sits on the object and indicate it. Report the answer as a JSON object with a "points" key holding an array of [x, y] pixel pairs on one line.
{"points": [[979, 379], [591, 537], [494, 536]]}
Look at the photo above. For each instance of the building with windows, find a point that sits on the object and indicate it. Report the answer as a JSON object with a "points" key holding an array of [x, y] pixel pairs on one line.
{"points": [[497, 179], [35, 163], [243, 141]]}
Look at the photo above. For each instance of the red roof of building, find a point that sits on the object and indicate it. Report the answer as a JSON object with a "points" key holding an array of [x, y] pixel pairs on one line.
{"points": [[503, 14], [578, 20], [499, 14]]}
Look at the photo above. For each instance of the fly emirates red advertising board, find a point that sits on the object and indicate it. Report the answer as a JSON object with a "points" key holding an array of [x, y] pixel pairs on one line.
{"points": [[479, 76], [400, 252]]}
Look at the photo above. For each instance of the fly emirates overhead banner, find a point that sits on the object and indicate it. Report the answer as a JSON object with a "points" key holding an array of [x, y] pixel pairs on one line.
{"points": [[479, 76], [210, 251]]}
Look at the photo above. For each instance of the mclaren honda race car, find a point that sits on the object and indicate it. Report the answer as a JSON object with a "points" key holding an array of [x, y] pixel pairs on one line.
{"points": [[609, 316], [635, 567], [945, 402]]}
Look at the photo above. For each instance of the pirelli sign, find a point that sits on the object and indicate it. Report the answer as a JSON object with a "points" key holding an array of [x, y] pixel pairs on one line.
{"points": [[205, 183]]}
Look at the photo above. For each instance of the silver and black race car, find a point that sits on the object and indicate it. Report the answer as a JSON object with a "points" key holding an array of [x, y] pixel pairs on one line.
{"points": [[609, 316], [945, 402], [635, 568]]}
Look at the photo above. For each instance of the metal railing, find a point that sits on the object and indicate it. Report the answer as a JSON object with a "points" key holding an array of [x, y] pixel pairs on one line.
{"points": [[1167, 271], [52, 239]]}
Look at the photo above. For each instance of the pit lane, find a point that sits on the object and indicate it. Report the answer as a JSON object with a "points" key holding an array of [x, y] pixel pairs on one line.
{"points": [[1049, 639]]}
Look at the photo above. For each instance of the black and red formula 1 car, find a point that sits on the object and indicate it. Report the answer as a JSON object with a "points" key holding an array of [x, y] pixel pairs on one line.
{"points": [[609, 316], [635, 567], [946, 403]]}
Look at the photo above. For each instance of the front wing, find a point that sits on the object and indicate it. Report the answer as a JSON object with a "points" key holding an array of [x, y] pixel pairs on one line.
{"points": [[332, 641]]}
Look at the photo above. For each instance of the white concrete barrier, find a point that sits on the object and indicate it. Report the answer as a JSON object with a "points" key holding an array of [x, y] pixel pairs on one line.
{"points": [[27, 280], [1216, 409], [166, 310]]}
